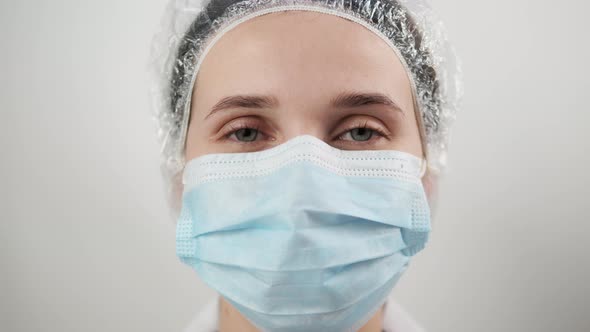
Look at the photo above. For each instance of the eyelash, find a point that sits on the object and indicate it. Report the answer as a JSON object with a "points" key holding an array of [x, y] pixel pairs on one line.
{"points": [[256, 126], [365, 125], [242, 125]]}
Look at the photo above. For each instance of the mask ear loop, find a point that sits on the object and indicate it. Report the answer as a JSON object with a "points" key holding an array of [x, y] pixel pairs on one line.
{"points": [[423, 167]]}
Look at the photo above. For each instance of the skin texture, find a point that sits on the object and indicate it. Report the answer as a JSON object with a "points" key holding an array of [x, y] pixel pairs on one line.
{"points": [[301, 60]]}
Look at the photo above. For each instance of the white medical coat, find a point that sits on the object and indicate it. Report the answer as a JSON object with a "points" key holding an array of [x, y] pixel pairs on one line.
{"points": [[395, 319]]}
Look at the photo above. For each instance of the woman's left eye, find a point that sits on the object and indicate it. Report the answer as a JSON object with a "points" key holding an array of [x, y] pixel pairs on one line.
{"points": [[359, 134]]}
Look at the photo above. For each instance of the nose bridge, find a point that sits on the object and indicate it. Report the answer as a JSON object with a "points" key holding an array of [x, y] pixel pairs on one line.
{"points": [[304, 117]]}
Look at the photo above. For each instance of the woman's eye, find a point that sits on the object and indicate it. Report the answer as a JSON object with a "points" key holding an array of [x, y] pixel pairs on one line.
{"points": [[245, 134], [359, 134]]}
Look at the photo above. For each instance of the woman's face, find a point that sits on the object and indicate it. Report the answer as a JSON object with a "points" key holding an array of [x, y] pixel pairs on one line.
{"points": [[291, 73]]}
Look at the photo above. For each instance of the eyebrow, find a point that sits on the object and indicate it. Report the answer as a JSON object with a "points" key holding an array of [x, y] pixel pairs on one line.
{"points": [[358, 99], [244, 101], [343, 100]]}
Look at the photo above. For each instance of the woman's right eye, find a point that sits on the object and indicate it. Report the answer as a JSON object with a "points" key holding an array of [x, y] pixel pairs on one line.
{"points": [[246, 131], [244, 134]]}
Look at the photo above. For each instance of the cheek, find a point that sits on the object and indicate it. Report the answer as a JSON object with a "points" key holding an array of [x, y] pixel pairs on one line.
{"points": [[175, 192], [429, 181]]}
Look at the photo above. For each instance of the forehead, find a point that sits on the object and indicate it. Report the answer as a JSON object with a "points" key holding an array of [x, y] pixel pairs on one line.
{"points": [[301, 54]]}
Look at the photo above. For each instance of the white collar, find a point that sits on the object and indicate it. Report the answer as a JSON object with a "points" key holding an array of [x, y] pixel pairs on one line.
{"points": [[396, 319]]}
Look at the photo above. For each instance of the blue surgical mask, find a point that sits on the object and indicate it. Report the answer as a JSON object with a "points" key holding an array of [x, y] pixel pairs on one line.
{"points": [[303, 236]]}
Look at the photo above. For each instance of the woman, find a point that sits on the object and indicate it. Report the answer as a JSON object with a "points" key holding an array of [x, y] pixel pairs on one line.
{"points": [[302, 141]]}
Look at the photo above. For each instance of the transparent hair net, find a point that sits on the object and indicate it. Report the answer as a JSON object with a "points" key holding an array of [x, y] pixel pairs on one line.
{"points": [[189, 28]]}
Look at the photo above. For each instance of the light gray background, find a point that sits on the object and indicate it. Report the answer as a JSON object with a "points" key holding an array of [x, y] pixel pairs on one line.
{"points": [[85, 244]]}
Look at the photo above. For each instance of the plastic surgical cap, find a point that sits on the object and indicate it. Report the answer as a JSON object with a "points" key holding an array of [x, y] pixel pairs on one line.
{"points": [[191, 27]]}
